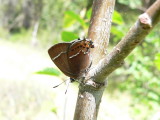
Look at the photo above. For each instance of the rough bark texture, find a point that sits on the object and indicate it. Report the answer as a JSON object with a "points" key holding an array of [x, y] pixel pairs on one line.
{"points": [[136, 34], [89, 98], [91, 91], [100, 24]]}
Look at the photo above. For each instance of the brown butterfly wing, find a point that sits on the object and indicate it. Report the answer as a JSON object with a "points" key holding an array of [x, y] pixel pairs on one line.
{"points": [[78, 58], [58, 54]]}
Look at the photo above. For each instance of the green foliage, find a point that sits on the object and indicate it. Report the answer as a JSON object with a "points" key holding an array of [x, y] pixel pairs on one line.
{"points": [[88, 14], [71, 18], [73, 22], [49, 71], [118, 26], [117, 18], [68, 36], [54, 110], [157, 61], [141, 76], [153, 96], [117, 32], [23, 34], [132, 4]]}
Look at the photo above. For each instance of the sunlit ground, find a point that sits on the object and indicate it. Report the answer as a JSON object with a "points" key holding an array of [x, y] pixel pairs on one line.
{"points": [[25, 95]]}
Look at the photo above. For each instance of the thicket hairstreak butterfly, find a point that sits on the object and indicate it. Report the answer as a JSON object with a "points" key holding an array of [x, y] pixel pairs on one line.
{"points": [[72, 58]]}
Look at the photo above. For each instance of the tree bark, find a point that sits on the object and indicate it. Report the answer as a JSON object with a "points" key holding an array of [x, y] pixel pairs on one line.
{"points": [[92, 88], [99, 31], [100, 24]]}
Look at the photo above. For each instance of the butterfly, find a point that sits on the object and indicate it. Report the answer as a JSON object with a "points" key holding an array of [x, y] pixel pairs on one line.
{"points": [[72, 58]]}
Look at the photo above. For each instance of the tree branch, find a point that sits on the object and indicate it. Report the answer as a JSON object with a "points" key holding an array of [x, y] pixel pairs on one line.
{"points": [[91, 91], [136, 34], [88, 99], [100, 24]]}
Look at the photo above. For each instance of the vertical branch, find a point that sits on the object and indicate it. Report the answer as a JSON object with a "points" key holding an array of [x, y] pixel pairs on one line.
{"points": [[89, 98], [90, 94], [100, 24], [91, 91]]}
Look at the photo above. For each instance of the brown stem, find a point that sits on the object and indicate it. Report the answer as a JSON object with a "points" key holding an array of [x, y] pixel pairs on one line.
{"points": [[89, 96], [99, 31], [100, 24], [136, 34]]}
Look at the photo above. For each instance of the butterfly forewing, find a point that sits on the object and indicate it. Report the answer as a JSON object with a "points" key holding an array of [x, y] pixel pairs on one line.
{"points": [[58, 54]]}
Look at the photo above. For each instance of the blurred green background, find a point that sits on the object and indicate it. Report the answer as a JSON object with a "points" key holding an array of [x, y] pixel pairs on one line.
{"points": [[27, 75]]}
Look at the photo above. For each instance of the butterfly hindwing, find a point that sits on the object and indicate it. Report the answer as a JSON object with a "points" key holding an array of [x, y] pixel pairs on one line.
{"points": [[79, 57]]}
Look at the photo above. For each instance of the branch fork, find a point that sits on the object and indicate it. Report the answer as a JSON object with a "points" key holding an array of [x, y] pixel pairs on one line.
{"points": [[89, 98]]}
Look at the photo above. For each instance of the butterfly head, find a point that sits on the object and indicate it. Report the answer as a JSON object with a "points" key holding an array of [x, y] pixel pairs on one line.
{"points": [[88, 43]]}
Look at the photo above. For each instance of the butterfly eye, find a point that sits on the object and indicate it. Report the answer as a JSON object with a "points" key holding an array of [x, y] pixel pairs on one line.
{"points": [[91, 44], [81, 39]]}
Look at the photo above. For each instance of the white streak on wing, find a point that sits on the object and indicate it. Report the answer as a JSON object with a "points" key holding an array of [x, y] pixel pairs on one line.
{"points": [[58, 55], [75, 54], [79, 53]]}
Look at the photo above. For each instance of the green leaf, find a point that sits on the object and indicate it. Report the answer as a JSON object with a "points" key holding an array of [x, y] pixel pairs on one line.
{"points": [[71, 17], [131, 3], [68, 36], [49, 71], [68, 19], [54, 110], [117, 18], [88, 14], [117, 32], [157, 61], [153, 96]]}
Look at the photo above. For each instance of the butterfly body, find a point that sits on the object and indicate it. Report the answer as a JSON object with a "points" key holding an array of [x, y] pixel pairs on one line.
{"points": [[72, 58]]}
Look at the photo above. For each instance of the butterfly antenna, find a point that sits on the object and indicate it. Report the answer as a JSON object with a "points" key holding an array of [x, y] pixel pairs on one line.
{"points": [[59, 84], [68, 83]]}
